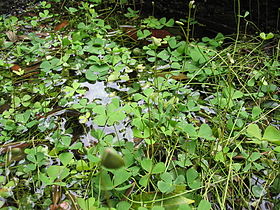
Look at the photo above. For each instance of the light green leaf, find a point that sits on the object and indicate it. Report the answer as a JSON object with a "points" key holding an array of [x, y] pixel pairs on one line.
{"points": [[144, 180], [177, 202], [254, 131], [204, 205], [164, 55], [277, 149], [82, 165], [147, 164], [158, 168], [167, 177], [272, 135], [192, 174], [170, 23], [58, 172], [106, 182], [120, 176], [255, 156], [258, 191], [164, 187], [205, 132], [114, 76], [116, 116], [256, 111], [123, 205], [189, 129], [66, 158]]}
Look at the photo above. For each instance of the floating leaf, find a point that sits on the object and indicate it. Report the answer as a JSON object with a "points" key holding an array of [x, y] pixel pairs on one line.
{"points": [[96, 71]]}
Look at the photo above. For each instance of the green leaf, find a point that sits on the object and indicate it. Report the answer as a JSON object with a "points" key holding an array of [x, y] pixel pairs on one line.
{"points": [[167, 177], [189, 129], [254, 156], [120, 176], [143, 34], [144, 180], [159, 168], [272, 135], [162, 20], [106, 181], [197, 55], [237, 94], [66, 140], [256, 111], [100, 120], [258, 191], [184, 207], [263, 35], [122, 188], [26, 97], [176, 65], [164, 187], [148, 92], [114, 76], [77, 145], [254, 131], [99, 109], [95, 71], [46, 66], [192, 174], [151, 52], [24, 117], [46, 180], [277, 149], [147, 164], [164, 55], [177, 203], [172, 42], [66, 158], [205, 132], [116, 116], [204, 205], [123, 205], [82, 165], [170, 23], [75, 85], [86, 204], [192, 178], [142, 208], [58, 172]]}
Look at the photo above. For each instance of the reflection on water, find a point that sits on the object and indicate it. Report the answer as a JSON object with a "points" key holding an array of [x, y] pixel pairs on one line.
{"points": [[97, 93]]}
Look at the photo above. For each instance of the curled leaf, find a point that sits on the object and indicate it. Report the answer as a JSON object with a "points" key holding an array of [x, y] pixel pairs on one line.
{"points": [[111, 159]]}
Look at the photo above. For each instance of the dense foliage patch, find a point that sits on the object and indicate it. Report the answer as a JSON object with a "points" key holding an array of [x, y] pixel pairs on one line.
{"points": [[97, 114]]}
